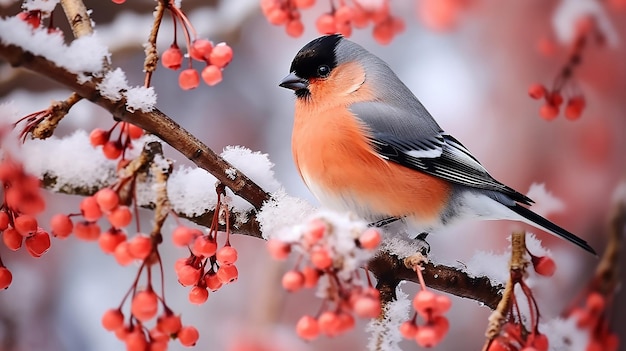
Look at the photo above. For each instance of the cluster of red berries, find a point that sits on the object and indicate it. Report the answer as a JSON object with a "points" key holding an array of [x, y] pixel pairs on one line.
{"points": [[18, 223], [592, 318], [442, 15], [331, 253], [216, 57], [430, 307], [553, 101], [513, 338], [340, 19], [113, 148], [207, 267], [144, 308]]}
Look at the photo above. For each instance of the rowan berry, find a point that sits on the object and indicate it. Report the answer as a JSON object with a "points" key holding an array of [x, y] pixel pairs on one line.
{"points": [[370, 239], [107, 199], [294, 28], [122, 254], [145, 305], [227, 274], [204, 246], [320, 258], [169, 324], [112, 149], [136, 340], [408, 329], [293, 281], [574, 107], [12, 239], [113, 319], [424, 302], [303, 4], [537, 91], [227, 255], [279, 250], [329, 323], [188, 335], [426, 336], [87, 231], [98, 137], [188, 79], [198, 295], [367, 307], [120, 217], [221, 55], [4, 220], [172, 57], [61, 225], [183, 236], [140, 246], [188, 275], [212, 75], [325, 24], [549, 111], [200, 49], [38, 243], [212, 281], [90, 209], [109, 240], [307, 328], [544, 265], [311, 276], [5, 277], [25, 225]]}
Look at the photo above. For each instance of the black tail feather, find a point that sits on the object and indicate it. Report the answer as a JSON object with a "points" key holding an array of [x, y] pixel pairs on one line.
{"points": [[551, 227]]}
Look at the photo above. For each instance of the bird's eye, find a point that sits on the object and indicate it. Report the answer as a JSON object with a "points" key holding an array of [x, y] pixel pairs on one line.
{"points": [[323, 71]]}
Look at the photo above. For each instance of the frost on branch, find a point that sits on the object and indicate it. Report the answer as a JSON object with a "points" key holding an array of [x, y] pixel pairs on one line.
{"points": [[385, 333]]}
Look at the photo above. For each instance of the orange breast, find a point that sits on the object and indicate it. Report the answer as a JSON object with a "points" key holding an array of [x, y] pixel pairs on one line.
{"points": [[334, 157]]}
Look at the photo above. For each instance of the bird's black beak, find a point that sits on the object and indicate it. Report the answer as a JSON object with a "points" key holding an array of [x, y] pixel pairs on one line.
{"points": [[293, 82]]}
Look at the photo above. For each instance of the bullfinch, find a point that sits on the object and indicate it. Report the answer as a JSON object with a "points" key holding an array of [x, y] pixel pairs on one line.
{"points": [[363, 142]]}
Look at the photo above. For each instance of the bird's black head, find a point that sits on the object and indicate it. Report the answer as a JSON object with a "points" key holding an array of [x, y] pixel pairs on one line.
{"points": [[315, 60]]}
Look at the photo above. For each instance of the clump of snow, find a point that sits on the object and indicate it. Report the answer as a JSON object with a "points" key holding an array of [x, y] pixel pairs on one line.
{"points": [[113, 84], [569, 12], [85, 54], [72, 160], [41, 5], [545, 202], [191, 191], [489, 264], [140, 98], [385, 333], [563, 334], [280, 212]]}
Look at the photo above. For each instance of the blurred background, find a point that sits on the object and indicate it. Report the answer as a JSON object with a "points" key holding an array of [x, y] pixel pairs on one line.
{"points": [[472, 75]]}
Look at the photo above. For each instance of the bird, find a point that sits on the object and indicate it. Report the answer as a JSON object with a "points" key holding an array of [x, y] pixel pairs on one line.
{"points": [[362, 142]]}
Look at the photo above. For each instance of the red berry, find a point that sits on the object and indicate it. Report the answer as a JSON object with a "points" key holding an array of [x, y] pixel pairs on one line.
{"points": [[38, 243], [113, 319], [112, 150], [122, 254], [320, 258], [574, 107], [4, 220], [87, 231], [172, 58], [212, 281], [90, 209], [61, 225], [136, 340], [370, 239], [188, 275], [221, 55], [556, 98], [169, 324], [227, 255], [303, 4], [367, 307], [140, 246], [408, 329], [544, 265], [109, 240], [344, 14], [329, 323], [25, 225], [278, 249], [595, 303], [107, 199], [188, 335], [227, 274], [204, 246], [294, 28], [307, 328], [424, 302], [198, 295], [120, 217], [277, 16], [188, 79], [293, 281], [182, 236], [133, 131], [200, 49], [5, 277], [98, 137], [442, 304], [145, 305], [426, 336], [311, 276], [12, 239], [537, 91], [549, 111], [326, 24], [212, 75]]}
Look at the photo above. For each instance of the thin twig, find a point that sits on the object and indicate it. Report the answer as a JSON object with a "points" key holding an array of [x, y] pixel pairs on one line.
{"points": [[152, 55], [77, 17], [59, 109]]}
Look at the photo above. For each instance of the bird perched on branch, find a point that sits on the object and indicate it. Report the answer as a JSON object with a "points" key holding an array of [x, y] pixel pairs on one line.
{"points": [[363, 142]]}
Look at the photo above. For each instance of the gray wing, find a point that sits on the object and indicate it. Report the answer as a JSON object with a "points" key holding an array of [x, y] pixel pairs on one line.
{"points": [[414, 140]]}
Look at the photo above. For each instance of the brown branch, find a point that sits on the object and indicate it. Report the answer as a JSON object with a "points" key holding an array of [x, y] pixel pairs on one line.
{"points": [[77, 17], [154, 122], [58, 110], [152, 55], [606, 277]]}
